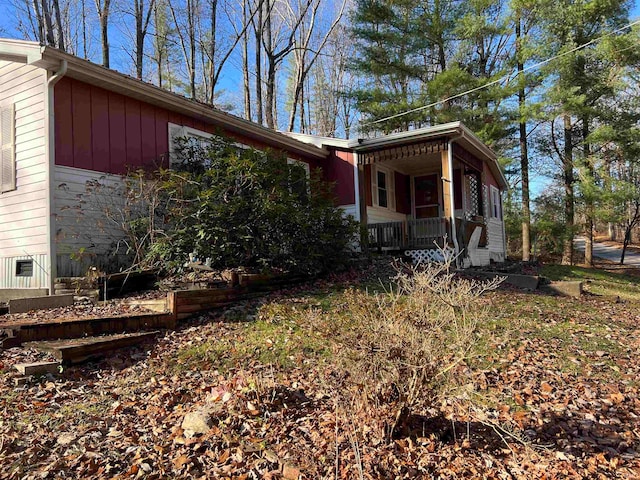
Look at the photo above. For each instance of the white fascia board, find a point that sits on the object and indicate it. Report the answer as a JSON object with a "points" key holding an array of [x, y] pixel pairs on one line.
{"points": [[392, 139], [91, 73], [319, 141], [19, 51]]}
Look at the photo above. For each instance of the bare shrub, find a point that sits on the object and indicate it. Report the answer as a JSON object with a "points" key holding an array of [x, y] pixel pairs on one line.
{"points": [[398, 349]]}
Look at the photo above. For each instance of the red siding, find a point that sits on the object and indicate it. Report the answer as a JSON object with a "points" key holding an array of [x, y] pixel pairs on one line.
{"points": [[108, 132], [100, 122], [403, 200], [489, 178], [339, 169], [457, 188], [81, 108], [133, 134], [148, 132], [117, 136], [64, 124]]}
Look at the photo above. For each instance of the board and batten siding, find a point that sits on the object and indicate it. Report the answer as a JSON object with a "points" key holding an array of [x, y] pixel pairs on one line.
{"points": [[105, 131], [23, 211]]}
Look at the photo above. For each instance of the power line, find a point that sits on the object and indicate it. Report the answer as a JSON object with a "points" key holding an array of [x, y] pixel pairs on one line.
{"points": [[501, 79]]}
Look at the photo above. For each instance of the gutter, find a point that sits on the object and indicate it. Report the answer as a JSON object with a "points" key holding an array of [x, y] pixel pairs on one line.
{"points": [[97, 75], [50, 137]]}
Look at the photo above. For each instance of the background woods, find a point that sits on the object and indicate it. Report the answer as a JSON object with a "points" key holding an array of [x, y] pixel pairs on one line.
{"points": [[551, 86]]}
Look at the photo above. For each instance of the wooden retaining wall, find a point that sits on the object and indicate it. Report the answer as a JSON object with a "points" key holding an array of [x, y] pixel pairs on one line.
{"points": [[185, 303], [77, 328], [180, 304]]}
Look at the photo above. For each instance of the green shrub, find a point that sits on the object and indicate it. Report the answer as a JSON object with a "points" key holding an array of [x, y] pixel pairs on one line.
{"points": [[244, 207]]}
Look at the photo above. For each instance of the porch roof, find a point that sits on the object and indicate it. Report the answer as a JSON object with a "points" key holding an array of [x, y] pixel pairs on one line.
{"points": [[412, 143]]}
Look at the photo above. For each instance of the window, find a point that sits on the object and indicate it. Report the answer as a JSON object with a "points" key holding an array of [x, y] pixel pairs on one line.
{"points": [[383, 187], [24, 268], [187, 142], [188, 146], [7, 154], [496, 207], [300, 174]]}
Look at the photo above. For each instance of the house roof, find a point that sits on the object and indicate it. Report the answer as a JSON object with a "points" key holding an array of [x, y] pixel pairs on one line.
{"points": [[50, 58], [447, 131]]}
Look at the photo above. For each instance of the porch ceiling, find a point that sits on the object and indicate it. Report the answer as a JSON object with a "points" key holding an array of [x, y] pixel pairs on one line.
{"points": [[403, 154]]}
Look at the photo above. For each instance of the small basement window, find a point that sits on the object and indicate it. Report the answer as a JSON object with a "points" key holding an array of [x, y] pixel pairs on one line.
{"points": [[24, 268]]}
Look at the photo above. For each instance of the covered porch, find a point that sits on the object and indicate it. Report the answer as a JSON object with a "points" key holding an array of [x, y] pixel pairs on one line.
{"points": [[420, 193]]}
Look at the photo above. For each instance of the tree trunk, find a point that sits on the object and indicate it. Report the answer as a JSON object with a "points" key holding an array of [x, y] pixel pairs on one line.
{"points": [[245, 65], [625, 244], [590, 210], [258, 59], [40, 22], [524, 152], [567, 161], [212, 51], [48, 24], [56, 11]]}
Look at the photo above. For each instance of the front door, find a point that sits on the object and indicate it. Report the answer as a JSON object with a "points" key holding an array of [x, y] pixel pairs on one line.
{"points": [[426, 204]]}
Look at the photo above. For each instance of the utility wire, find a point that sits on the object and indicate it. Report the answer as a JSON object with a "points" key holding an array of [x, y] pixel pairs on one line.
{"points": [[503, 78]]}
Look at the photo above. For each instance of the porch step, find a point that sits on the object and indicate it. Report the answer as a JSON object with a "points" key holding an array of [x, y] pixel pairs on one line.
{"points": [[32, 331], [82, 349]]}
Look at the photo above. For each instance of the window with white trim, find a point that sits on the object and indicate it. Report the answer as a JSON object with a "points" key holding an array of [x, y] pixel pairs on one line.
{"points": [[496, 204], [383, 187], [187, 141], [7, 153], [299, 181]]}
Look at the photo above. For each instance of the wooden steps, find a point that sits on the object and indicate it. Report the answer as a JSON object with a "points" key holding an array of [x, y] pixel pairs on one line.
{"points": [[78, 350]]}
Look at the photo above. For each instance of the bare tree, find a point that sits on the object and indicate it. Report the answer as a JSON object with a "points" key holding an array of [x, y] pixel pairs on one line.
{"points": [[102, 8], [186, 31], [216, 53], [142, 16], [277, 45], [305, 54]]}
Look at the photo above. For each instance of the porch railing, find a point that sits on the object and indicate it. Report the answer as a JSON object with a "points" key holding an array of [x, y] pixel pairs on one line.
{"points": [[420, 233]]}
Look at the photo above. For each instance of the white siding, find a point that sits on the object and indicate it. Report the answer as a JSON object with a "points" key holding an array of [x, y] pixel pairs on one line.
{"points": [[495, 239], [80, 213], [349, 210], [8, 278], [23, 212], [382, 215]]}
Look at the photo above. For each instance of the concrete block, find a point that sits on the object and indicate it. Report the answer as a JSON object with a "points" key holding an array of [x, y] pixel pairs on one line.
{"points": [[37, 368], [7, 294], [567, 288], [23, 305]]}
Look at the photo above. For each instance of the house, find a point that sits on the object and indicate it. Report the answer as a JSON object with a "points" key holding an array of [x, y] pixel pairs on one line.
{"points": [[67, 125], [421, 188]]}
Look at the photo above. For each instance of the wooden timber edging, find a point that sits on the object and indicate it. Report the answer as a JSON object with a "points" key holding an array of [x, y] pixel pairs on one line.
{"points": [[180, 304], [185, 303], [82, 327]]}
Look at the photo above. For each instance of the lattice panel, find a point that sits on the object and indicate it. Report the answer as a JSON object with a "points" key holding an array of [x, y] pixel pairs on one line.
{"points": [[473, 193], [430, 255]]}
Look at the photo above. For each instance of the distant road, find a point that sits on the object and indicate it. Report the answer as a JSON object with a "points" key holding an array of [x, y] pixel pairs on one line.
{"points": [[612, 254]]}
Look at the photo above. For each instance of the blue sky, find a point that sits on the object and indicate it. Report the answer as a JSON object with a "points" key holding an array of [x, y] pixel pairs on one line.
{"points": [[122, 42]]}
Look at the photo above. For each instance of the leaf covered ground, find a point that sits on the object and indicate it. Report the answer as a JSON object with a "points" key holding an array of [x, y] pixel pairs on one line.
{"points": [[550, 390]]}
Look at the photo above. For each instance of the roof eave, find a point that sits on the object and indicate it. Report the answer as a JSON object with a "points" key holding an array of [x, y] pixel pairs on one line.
{"points": [[84, 70], [447, 130]]}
